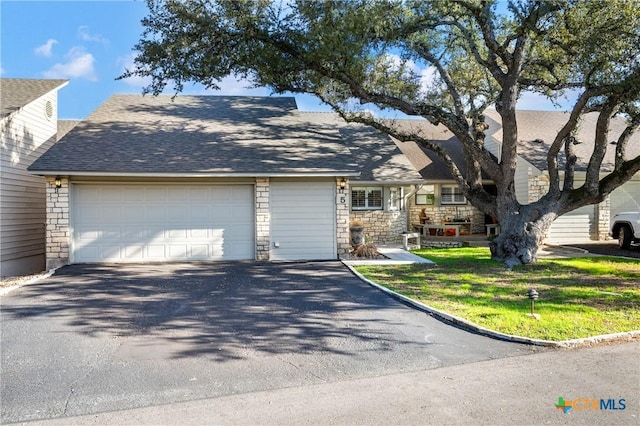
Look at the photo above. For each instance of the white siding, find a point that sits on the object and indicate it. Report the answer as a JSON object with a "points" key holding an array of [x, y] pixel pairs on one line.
{"points": [[521, 178], [25, 135], [303, 221], [142, 223]]}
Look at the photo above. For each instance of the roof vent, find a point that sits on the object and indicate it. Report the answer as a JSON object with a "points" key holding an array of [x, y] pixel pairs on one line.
{"points": [[48, 110]]}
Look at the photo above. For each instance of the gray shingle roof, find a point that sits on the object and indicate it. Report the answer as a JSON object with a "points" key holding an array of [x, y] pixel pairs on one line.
{"points": [[201, 135], [65, 126], [532, 125], [377, 157], [537, 130], [18, 92], [429, 165]]}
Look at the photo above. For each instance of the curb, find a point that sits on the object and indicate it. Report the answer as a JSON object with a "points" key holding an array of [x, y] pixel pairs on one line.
{"points": [[468, 325], [4, 291]]}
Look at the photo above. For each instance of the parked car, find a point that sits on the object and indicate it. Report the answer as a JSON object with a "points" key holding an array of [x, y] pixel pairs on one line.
{"points": [[626, 228]]}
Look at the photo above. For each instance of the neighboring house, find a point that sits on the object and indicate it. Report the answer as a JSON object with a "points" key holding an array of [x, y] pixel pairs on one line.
{"points": [[28, 127], [536, 130], [442, 200]]}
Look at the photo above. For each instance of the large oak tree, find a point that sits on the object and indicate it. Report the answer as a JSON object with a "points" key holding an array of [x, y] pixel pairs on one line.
{"points": [[352, 54]]}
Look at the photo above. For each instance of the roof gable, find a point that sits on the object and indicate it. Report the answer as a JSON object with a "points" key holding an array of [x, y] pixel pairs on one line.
{"points": [[15, 93]]}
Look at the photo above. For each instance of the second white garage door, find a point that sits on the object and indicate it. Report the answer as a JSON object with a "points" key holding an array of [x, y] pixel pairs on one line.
{"points": [[303, 221], [139, 223], [574, 226], [626, 198]]}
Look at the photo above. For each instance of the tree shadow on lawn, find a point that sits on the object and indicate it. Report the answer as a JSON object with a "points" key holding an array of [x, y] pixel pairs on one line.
{"points": [[222, 310], [567, 285]]}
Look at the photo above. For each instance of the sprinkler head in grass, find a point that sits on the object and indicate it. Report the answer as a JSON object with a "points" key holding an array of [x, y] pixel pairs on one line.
{"points": [[533, 296]]}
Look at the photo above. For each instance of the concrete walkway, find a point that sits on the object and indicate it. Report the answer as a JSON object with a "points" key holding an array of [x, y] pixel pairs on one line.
{"points": [[396, 255]]}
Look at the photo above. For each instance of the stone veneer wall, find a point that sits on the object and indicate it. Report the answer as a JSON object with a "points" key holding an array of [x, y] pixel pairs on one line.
{"points": [[342, 220], [57, 223], [439, 214], [603, 215], [381, 227], [538, 186], [263, 219]]}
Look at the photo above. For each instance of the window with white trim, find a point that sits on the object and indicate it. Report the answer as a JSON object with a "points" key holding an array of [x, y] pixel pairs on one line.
{"points": [[366, 198], [451, 194], [426, 195]]}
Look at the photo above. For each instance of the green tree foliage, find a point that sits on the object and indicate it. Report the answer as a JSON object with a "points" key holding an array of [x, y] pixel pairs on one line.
{"points": [[352, 54]]}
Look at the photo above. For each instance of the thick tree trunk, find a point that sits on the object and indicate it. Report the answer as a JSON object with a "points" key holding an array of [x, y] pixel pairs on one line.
{"points": [[519, 239]]}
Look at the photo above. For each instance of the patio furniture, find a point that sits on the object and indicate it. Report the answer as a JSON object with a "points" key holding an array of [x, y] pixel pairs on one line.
{"points": [[493, 229], [410, 236]]}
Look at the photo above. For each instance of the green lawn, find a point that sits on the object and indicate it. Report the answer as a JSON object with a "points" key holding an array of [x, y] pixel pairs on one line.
{"points": [[579, 297]]}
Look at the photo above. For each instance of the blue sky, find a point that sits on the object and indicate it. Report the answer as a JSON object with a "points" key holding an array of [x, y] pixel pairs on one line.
{"points": [[90, 43]]}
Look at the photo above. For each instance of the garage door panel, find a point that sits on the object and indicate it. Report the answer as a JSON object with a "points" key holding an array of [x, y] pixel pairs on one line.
{"points": [[156, 252], [193, 223], [573, 226], [112, 195], [134, 252], [303, 220], [110, 252], [111, 234], [626, 198], [156, 195]]}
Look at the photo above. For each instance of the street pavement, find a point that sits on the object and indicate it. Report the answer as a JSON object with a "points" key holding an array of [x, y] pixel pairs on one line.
{"points": [[509, 391]]}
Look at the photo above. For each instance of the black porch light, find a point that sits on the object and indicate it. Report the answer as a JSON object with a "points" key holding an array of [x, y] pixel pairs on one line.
{"points": [[343, 185]]}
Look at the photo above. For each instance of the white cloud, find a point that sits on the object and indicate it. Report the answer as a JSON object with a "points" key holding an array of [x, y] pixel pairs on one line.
{"points": [[234, 86], [79, 64], [427, 78], [127, 63], [45, 49], [84, 35]]}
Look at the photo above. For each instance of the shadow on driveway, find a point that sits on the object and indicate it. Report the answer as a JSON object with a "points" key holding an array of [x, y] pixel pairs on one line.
{"points": [[220, 310]]}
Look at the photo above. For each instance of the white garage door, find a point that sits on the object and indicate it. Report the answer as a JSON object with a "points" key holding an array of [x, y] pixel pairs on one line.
{"points": [[303, 221], [626, 198], [140, 223], [574, 226]]}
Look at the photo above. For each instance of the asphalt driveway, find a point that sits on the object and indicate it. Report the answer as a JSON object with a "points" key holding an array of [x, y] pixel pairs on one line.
{"points": [[96, 338], [608, 248]]}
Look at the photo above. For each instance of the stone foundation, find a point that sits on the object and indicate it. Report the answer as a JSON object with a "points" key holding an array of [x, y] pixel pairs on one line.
{"points": [[441, 244]]}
